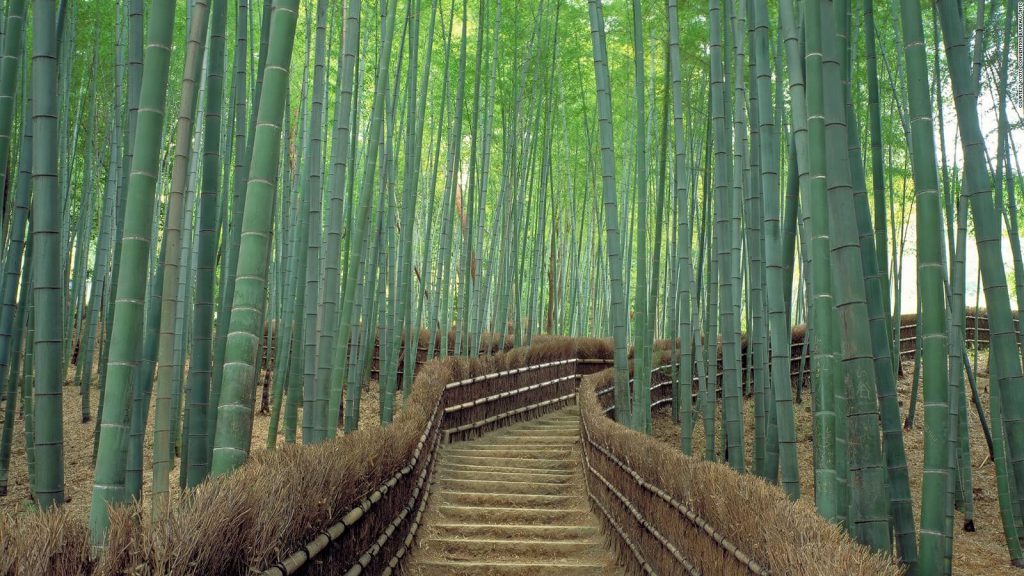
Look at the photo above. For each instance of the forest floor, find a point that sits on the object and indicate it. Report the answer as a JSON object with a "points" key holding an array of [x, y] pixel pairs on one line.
{"points": [[981, 552], [78, 445]]}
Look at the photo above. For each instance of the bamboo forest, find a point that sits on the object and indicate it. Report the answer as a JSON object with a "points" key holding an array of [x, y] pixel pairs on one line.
{"points": [[511, 287]]}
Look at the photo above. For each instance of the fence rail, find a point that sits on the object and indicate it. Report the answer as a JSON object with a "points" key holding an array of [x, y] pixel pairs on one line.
{"points": [[689, 514], [976, 328]]}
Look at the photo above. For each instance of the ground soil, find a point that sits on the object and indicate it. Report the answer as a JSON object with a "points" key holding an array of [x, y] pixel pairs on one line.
{"points": [[78, 443], [981, 552]]}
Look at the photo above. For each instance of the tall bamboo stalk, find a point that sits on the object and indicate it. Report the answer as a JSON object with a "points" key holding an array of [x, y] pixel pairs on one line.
{"points": [[47, 278], [234, 421], [617, 309], [132, 266]]}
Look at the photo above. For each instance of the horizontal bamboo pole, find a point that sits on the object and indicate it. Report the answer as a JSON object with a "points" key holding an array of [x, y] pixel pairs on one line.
{"points": [[493, 375], [510, 413], [374, 549], [689, 514], [294, 562], [506, 394], [907, 348], [642, 521], [622, 534], [413, 528]]}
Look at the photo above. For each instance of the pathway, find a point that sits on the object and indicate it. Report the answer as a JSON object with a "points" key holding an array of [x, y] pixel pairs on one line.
{"points": [[513, 503]]}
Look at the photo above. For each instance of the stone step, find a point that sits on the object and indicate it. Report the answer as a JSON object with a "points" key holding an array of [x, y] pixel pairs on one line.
{"points": [[520, 463], [510, 500], [553, 423], [484, 568], [516, 486], [518, 531], [513, 451], [546, 424], [533, 437], [447, 473], [514, 515], [502, 549]]}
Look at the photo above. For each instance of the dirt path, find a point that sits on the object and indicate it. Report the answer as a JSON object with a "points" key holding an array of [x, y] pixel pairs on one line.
{"points": [[513, 502]]}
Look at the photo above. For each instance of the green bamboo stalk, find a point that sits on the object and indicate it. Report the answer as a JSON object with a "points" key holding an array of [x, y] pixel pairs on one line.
{"points": [[15, 376], [344, 135], [231, 227], [440, 321], [131, 54], [727, 234], [778, 324], [876, 284], [234, 420], [163, 455], [245, 133], [1004, 355], [644, 334], [709, 393], [28, 413], [483, 299], [472, 229], [931, 321], [15, 271], [10, 66], [200, 368], [1004, 488], [825, 371], [108, 485], [617, 308], [869, 517], [765, 443], [100, 279], [349, 372], [1003, 151], [313, 240], [79, 307], [47, 288], [116, 216], [298, 297], [180, 386]]}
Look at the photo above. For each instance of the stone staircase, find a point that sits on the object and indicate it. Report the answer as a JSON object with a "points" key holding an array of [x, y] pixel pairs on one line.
{"points": [[513, 503]]}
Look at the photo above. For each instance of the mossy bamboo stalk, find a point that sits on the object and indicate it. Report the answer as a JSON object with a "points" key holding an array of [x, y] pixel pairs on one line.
{"points": [[163, 451], [931, 321], [16, 267], [1003, 347], [134, 252], [10, 66], [617, 308], [234, 421], [724, 239], [200, 370]]}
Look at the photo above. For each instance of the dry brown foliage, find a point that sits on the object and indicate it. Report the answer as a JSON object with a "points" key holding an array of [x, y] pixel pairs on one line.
{"points": [[280, 500], [55, 542], [782, 536]]}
